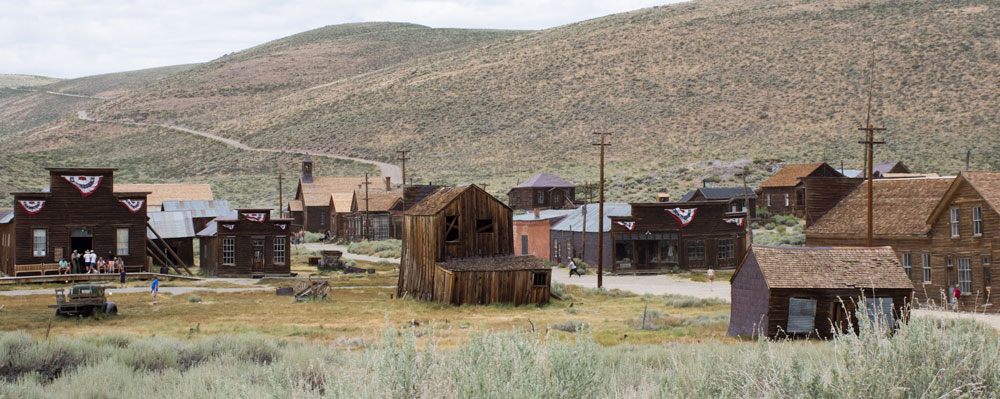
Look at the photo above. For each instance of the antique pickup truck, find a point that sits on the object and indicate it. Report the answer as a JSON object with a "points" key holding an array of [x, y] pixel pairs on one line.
{"points": [[83, 300]]}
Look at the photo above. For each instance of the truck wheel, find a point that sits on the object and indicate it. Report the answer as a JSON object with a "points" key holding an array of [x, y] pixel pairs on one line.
{"points": [[110, 308]]}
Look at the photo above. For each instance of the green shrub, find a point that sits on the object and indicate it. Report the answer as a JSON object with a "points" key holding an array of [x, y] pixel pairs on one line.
{"points": [[685, 301], [769, 226], [312, 237], [382, 249], [615, 293], [193, 298], [755, 225]]}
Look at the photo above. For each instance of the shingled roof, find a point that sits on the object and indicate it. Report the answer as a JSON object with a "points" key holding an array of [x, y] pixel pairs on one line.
{"points": [[830, 268], [789, 175], [720, 193], [378, 200], [438, 200], [168, 192], [500, 263], [987, 184], [901, 208], [318, 192], [546, 180]]}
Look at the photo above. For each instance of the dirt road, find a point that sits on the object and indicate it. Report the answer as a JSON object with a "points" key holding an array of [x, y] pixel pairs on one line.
{"points": [[315, 246], [656, 285]]}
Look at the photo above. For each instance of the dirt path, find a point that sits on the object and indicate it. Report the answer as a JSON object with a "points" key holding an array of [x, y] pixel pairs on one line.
{"points": [[656, 284], [334, 247], [387, 169], [56, 93]]}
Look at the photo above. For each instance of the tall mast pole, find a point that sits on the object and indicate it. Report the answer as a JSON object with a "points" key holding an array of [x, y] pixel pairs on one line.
{"points": [[600, 215], [281, 198], [365, 228], [870, 147], [402, 158]]}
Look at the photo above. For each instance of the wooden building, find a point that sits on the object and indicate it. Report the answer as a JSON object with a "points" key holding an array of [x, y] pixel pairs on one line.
{"points": [[80, 211], [373, 219], [545, 191], [160, 193], [822, 193], [740, 199], [568, 237], [901, 210], [248, 242], [311, 206], [176, 229], [784, 193], [458, 249], [659, 236], [780, 291]]}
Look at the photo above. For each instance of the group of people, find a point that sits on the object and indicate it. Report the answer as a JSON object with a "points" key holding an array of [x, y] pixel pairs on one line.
{"points": [[88, 262]]}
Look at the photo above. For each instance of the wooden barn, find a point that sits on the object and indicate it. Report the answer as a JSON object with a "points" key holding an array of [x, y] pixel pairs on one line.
{"points": [[458, 248], [659, 236], [785, 194], [545, 191], [309, 209], [80, 211], [901, 209], [794, 291], [247, 242]]}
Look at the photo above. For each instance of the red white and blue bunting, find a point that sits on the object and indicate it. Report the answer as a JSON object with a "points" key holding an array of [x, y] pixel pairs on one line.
{"points": [[736, 221], [282, 225], [133, 205], [86, 184], [628, 225], [32, 207], [229, 226], [258, 217], [683, 216]]}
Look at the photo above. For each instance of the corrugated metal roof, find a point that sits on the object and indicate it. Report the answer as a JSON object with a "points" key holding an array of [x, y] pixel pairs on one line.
{"points": [[545, 214], [170, 225], [720, 193], [199, 208], [574, 221], [851, 172], [6, 216]]}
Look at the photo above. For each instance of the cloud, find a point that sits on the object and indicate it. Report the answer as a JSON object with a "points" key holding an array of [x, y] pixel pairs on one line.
{"points": [[72, 38]]}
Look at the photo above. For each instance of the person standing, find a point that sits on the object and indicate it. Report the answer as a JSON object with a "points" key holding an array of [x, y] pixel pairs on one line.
{"points": [[573, 268], [155, 288], [121, 274], [711, 277], [74, 260], [958, 295]]}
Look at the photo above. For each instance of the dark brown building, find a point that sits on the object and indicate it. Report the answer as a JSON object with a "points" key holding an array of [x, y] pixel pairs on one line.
{"points": [[544, 191], [247, 242], [780, 291], [739, 198], [80, 211], [311, 206], [177, 231], [458, 249], [886, 169], [659, 236], [784, 193]]}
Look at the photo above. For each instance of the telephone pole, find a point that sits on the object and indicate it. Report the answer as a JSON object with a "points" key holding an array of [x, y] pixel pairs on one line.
{"points": [[746, 206], [589, 197], [600, 214], [402, 158], [870, 143], [365, 228], [281, 197]]}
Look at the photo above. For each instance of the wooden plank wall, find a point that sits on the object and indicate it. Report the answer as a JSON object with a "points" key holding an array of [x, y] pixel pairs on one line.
{"points": [[244, 232], [827, 300], [526, 198], [211, 253], [313, 221], [750, 300], [916, 246], [966, 245], [486, 287], [777, 194], [823, 193], [7, 248]]}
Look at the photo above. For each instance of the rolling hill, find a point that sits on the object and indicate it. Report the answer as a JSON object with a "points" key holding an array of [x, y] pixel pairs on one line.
{"points": [[688, 91]]}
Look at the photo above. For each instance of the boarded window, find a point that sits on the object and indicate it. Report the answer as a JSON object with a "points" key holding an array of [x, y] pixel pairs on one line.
{"points": [[726, 249], [801, 315], [977, 221], [451, 228], [880, 312], [965, 275], [121, 239], [927, 268], [484, 225], [229, 251], [279, 250], [696, 250], [39, 242], [524, 245], [907, 265], [540, 280]]}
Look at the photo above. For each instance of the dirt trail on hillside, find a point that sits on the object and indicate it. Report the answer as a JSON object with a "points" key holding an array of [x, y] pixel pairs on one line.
{"points": [[56, 93], [387, 169]]}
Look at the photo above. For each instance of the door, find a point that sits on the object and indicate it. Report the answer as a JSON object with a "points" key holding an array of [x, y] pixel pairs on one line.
{"points": [[645, 253], [524, 245], [258, 256]]}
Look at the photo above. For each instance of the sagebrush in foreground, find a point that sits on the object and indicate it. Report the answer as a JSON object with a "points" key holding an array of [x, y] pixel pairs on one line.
{"points": [[927, 358]]}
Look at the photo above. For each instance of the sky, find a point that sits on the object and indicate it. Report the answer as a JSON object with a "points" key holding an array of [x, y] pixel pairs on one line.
{"points": [[74, 38]]}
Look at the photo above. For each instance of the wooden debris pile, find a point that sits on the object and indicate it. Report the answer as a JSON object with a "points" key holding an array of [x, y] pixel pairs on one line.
{"points": [[309, 289]]}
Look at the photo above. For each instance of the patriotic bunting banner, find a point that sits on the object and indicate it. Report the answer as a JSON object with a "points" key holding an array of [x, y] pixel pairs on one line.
{"points": [[736, 221], [258, 217], [32, 207], [282, 226], [133, 206], [628, 225], [86, 184], [683, 216], [229, 226]]}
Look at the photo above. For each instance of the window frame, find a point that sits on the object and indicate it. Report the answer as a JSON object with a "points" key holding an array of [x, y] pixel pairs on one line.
{"points": [[726, 246], [119, 250], [34, 243], [927, 268], [814, 305], [448, 229], [787, 200], [540, 198], [231, 251], [700, 244], [534, 279], [908, 265], [954, 222], [977, 221], [278, 250], [965, 275]]}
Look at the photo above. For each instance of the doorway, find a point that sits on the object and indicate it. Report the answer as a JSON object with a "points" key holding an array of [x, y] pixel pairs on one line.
{"points": [[258, 255]]}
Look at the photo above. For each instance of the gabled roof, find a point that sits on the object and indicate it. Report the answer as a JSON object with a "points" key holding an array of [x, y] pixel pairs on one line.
{"points": [[378, 200], [900, 208], [574, 220], [500, 263], [342, 202], [830, 268], [295, 206], [987, 184], [545, 180], [789, 175], [198, 209], [438, 200], [882, 168], [170, 225], [318, 192], [169, 192], [719, 193]]}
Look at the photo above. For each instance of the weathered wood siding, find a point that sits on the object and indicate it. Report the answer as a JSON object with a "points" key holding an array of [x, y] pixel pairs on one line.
{"points": [[7, 248], [486, 287], [750, 300], [823, 193], [777, 205], [245, 232], [527, 197], [313, 219], [209, 255], [827, 302]]}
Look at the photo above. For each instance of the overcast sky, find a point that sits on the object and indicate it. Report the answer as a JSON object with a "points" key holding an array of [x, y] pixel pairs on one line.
{"points": [[73, 38]]}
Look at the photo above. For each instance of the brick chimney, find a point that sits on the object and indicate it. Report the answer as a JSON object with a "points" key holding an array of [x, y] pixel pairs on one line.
{"points": [[388, 183], [537, 214]]}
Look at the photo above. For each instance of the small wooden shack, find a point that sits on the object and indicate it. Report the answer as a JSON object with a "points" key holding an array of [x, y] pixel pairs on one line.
{"points": [[246, 242], [794, 291], [458, 248]]}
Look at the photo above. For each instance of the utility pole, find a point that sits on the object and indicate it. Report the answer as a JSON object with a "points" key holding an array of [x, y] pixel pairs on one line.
{"points": [[281, 197], [402, 158], [366, 227], [870, 143], [600, 214], [746, 206], [589, 198]]}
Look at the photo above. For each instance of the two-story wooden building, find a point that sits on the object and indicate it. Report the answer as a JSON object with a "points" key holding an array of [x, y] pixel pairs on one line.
{"points": [[458, 248], [310, 208], [246, 242], [545, 191], [740, 199], [80, 211], [659, 236], [785, 194]]}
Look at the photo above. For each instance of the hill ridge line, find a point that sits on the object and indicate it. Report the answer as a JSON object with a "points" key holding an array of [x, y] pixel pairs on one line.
{"points": [[386, 169], [56, 93]]}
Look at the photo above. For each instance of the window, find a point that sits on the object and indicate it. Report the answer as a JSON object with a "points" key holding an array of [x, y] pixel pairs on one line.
{"points": [[229, 251], [977, 221], [540, 279], [786, 199], [451, 228], [556, 198], [258, 251], [524, 245], [986, 272], [769, 199], [907, 265], [880, 312], [801, 315], [569, 249], [40, 242], [954, 222], [726, 249], [927, 268], [484, 225], [668, 251], [122, 242], [541, 197], [696, 250], [279, 250], [965, 275], [322, 218]]}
